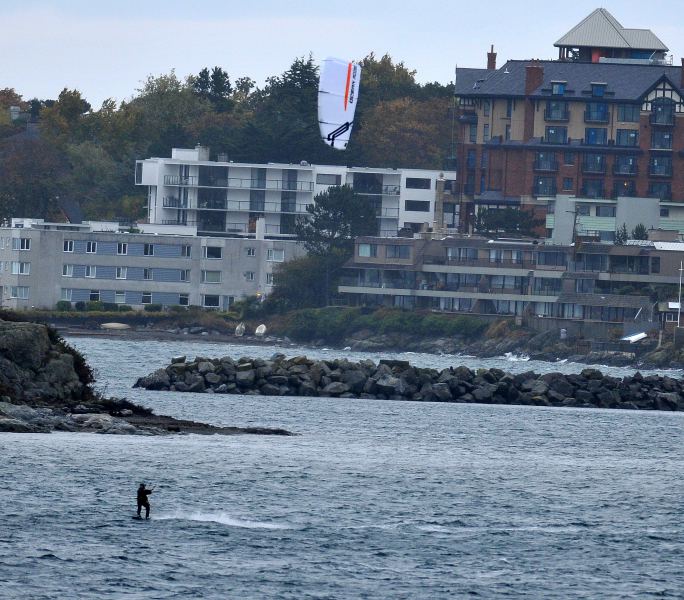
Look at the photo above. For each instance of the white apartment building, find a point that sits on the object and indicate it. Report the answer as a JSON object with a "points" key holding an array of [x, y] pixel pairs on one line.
{"points": [[222, 198], [42, 263]]}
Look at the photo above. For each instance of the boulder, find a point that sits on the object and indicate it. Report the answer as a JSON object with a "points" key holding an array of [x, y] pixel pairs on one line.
{"points": [[442, 392], [355, 379], [335, 388], [205, 366], [269, 389], [212, 378], [245, 377]]}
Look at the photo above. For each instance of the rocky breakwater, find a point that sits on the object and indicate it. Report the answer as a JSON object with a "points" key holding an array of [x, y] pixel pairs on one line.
{"points": [[399, 380], [45, 385]]}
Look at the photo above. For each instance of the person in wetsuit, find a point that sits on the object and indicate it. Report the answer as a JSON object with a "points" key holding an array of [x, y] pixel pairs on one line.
{"points": [[143, 493]]}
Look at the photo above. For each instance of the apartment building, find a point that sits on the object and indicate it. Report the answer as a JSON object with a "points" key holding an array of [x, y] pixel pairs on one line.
{"points": [[221, 198], [590, 282], [42, 263], [603, 123]]}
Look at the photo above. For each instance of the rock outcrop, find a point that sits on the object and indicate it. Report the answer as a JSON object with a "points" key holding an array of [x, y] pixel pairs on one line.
{"points": [[399, 380]]}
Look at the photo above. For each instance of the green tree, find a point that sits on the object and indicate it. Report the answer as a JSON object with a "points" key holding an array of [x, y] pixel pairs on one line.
{"points": [[621, 235], [303, 283], [640, 232], [337, 216]]}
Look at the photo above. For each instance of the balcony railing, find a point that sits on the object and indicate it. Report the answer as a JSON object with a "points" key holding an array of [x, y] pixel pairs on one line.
{"points": [[594, 167], [236, 227], [242, 183], [544, 190], [506, 263], [170, 202], [596, 116], [385, 190], [556, 114], [665, 119], [660, 170], [392, 213], [592, 192], [625, 169], [267, 207], [179, 180], [211, 204], [546, 164]]}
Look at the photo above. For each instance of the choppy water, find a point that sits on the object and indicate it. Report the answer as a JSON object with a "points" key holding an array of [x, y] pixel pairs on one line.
{"points": [[373, 500]]}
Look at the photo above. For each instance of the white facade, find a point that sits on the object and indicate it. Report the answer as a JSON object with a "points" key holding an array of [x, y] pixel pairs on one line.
{"points": [[226, 198]]}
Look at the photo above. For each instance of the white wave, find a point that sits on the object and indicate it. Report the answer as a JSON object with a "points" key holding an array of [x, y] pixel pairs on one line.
{"points": [[509, 356], [220, 517]]}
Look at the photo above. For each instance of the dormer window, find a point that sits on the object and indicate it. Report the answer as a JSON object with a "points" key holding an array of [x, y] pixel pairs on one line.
{"points": [[598, 90], [558, 88]]}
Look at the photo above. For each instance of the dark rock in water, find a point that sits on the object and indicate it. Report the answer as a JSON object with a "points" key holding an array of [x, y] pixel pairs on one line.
{"points": [[159, 380], [178, 359]]}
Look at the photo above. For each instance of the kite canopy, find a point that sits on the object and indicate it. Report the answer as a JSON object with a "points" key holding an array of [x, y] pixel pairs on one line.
{"points": [[338, 93]]}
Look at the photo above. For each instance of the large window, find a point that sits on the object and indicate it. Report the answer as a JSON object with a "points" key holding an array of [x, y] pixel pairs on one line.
{"points": [[397, 251], [605, 211], [122, 248], [68, 246], [184, 275], [212, 252], [625, 165], [596, 136], [148, 249], [66, 294], [558, 87], [91, 271], [21, 268], [627, 137], [121, 272], [556, 135], [148, 274], [186, 250], [556, 110], [628, 113], [417, 205], [211, 301], [544, 186], [596, 112], [211, 276], [183, 299], [94, 296], [328, 179], [661, 140], [663, 111], [418, 183], [594, 163], [275, 255], [119, 297], [368, 250], [19, 291], [21, 243], [593, 188], [67, 270], [660, 166], [472, 135], [660, 189]]}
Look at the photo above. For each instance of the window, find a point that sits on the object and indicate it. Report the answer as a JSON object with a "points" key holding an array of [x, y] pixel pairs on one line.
{"points": [[417, 205], [184, 275], [471, 159], [19, 291], [628, 113], [486, 107], [556, 135], [146, 298], [94, 296], [66, 294], [328, 179], [269, 278], [21, 268], [250, 251], [605, 211], [593, 188], [509, 108], [660, 189], [583, 210], [122, 248], [596, 136], [627, 137], [91, 247], [211, 276], [472, 135], [624, 188], [660, 165], [665, 212], [90, 271], [211, 301], [186, 250], [67, 270], [368, 250], [655, 264], [507, 135], [418, 183], [119, 297], [625, 165], [121, 272], [556, 110], [598, 90], [544, 186], [68, 246], [594, 163], [249, 275], [275, 255], [397, 251], [212, 252], [567, 184], [21, 243], [569, 158], [147, 274], [183, 299], [558, 88], [148, 249], [661, 140], [485, 132]]}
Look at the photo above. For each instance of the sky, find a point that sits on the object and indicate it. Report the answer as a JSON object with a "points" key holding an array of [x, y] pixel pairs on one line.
{"points": [[106, 50]]}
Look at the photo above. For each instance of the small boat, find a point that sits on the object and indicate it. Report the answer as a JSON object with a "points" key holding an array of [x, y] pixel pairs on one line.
{"points": [[240, 330], [260, 331]]}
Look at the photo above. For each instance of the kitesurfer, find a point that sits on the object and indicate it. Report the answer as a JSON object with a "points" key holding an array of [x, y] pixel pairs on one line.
{"points": [[143, 493]]}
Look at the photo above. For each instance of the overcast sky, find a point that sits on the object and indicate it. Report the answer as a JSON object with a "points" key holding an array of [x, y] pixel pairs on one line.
{"points": [[107, 49]]}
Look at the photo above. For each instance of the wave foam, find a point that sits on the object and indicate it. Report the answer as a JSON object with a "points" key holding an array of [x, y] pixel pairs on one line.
{"points": [[222, 518]]}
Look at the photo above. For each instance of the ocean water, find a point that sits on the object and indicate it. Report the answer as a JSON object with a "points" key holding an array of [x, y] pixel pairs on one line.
{"points": [[373, 499]]}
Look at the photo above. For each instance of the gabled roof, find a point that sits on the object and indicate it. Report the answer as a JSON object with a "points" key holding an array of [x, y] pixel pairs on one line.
{"points": [[600, 29], [624, 82]]}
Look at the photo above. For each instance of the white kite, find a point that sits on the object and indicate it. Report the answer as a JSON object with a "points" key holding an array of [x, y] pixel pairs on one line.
{"points": [[338, 93]]}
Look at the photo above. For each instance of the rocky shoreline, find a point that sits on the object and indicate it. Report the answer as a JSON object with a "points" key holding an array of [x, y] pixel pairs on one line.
{"points": [[45, 386], [399, 380]]}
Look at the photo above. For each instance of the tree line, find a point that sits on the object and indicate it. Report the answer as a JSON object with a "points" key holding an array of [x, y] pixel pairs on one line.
{"points": [[64, 149]]}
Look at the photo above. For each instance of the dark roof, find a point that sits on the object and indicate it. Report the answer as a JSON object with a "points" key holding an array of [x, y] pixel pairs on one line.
{"points": [[625, 82], [71, 209], [467, 79]]}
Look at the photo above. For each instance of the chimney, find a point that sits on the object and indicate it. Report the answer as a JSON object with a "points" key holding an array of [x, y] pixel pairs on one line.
{"points": [[491, 59], [534, 76]]}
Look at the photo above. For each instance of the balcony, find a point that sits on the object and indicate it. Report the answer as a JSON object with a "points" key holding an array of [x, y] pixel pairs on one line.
{"points": [[502, 263], [596, 116], [388, 213], [562, 114], [660, 170], [171, 202], [549, 165], [266, 207], [592, 192], [384, 190], [595, 167], [236, 227], [244, 183], [663, 119], [625, 169], [544, 189], [189, 180]]}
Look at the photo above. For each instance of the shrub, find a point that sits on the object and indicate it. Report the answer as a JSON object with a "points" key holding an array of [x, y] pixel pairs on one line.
{"points": [[177, 308], [80, 305], [110, 306], [153, 307], [125, 308], [64, 305], [94, 305]]}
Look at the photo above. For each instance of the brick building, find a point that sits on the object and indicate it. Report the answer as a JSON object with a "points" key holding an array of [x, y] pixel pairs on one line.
{"points": [[603, 123]]}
